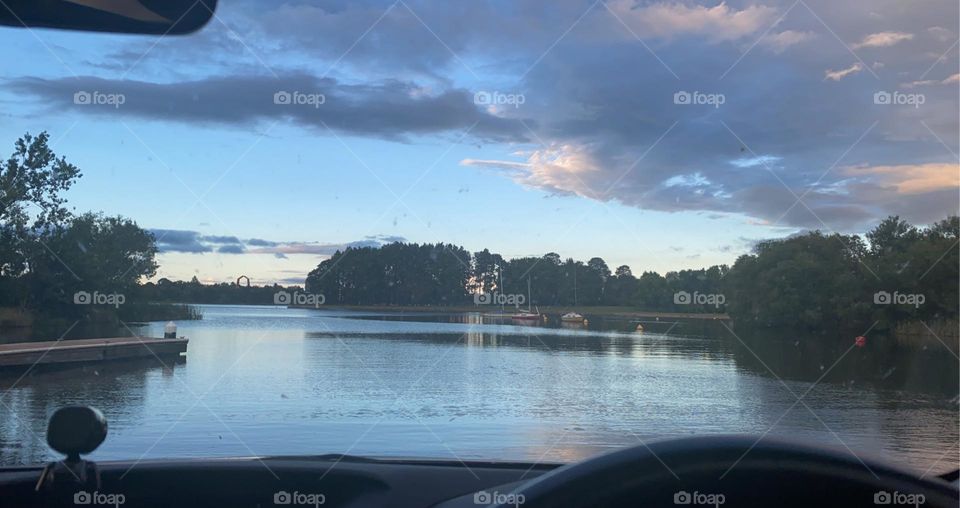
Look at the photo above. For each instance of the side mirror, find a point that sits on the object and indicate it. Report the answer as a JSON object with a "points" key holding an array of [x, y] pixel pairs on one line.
{"points": [[76, 430], [121, 16]]}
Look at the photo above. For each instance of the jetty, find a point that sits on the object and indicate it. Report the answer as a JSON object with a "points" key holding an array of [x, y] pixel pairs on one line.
{"points": [[81, 351]]}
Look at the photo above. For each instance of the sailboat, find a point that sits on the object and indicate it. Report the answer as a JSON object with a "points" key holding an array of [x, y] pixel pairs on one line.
{"points": [[573, 317], [526, 316], [500, 314]]}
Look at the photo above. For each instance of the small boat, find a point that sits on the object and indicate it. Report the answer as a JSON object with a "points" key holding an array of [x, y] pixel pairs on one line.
{"points": [[639, 327], [526, 316], [573, 317]]}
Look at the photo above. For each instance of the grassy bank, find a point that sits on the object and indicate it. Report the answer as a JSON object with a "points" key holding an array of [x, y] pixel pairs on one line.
{"points": [[922, 335]]}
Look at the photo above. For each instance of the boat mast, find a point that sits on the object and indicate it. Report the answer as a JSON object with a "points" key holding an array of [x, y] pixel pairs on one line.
{"points": [[574, 284], [528, 293]]}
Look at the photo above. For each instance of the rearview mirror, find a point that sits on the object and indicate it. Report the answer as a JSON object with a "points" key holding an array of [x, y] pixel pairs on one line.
{"points": [[120, 16]]}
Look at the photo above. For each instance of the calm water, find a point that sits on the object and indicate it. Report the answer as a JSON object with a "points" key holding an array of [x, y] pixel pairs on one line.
{"points": [[269, 380]]}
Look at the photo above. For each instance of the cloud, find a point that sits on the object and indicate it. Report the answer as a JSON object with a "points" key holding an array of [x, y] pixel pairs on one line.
{"points": [[324, 249], [913, 178], [231, 249], [388, 109], [940, 33], [882, 40], [842, 73], [257, 242], [174, 240], [950, 80], [220, 239], [780, 42], [602, 121], [719, 22], [560, 169]]}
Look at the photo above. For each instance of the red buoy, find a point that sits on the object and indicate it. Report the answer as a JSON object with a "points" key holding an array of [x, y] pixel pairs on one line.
{"points": [[860, 341]]}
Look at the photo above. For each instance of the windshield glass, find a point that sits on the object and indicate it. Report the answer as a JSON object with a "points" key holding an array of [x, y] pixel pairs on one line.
{"points": [[529, 231]]}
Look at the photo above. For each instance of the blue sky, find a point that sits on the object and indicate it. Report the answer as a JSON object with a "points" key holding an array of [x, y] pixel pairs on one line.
{"points": [[662, 135]]}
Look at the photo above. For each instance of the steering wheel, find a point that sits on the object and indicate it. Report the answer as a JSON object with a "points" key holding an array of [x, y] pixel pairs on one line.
{"points": [[730, 471]]}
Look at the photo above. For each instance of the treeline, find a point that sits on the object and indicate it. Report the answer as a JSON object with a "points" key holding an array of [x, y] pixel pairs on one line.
{"points": [[193, 291], [896, 273], [444, 274], [812, 281]]}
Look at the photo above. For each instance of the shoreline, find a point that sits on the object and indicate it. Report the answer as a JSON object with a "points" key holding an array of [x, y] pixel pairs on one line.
{"points": [[602, 311]]}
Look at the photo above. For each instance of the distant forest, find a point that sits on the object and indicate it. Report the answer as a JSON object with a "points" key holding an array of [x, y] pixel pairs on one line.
{"points": [[813, 281]]}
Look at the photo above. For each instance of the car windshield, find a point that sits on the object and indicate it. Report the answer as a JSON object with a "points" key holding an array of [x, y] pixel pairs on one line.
{"points": [[519, 231]]}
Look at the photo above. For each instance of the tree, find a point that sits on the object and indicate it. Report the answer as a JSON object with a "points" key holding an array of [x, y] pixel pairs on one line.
{"points": [[91, 253], [807, 282], [33, 179]]}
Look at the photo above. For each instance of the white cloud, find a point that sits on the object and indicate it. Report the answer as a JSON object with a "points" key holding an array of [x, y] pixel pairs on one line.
{"points": [[779, 42], [950, 80], [842, 73], [940, 33], [913, 178], [719, 22], [882, 40], [560, 169]]}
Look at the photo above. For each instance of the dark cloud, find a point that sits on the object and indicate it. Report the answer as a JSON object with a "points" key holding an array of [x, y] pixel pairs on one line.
{"points": [[387, 109], [220, 239], [611, 129], [257, 242], [231, 249], [599, 102], [174, 240]]}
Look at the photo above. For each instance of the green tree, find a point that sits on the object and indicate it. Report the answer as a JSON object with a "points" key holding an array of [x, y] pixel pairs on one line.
{"points": [[91, 253], [32, 181]]}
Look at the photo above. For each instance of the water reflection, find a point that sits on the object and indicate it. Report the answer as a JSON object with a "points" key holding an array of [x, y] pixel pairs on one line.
{"points": [[268, 380], [28, 400]]}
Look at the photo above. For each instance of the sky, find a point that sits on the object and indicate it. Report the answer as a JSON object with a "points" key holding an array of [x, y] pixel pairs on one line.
{"points": [[661, 135]]}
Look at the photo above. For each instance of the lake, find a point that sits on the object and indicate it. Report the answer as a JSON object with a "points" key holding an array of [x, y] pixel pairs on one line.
{"points": [[275, 381]]}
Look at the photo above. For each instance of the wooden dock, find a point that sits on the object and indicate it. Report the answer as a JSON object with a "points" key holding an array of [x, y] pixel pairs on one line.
{"points": [[79, 351]]}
